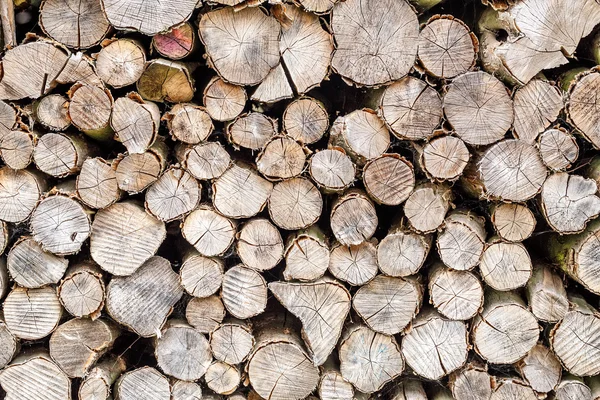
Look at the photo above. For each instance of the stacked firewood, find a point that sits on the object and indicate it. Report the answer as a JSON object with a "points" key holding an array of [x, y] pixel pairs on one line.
{"points": [[289, 200]]}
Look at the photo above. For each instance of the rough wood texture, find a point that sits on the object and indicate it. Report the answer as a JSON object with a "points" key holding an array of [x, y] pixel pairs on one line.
{"points": [[260, 245], [98, 382], [60, 154], [135, 122], [19, 193], [305, 120], [120, 62], [189, 123], [135, 172], [461, 242], [97, 185], [558, 149], [389, 179], [201, 276], [205, 314], [295, 204], [356, 265], [426, 207], [224, 101], [537, 105], [332, 169], [512, 221], [244, 292], [164, 80], [82, 291], [353, 218], [541, 369], [210, 233], [306, 255], [175, 43], [473, 382], [232, 342], [208, 160], [51, 112], [175, 194], [32, 267], [281, 158], [505, 266], [457, 295], [444, 158], [16, 148], [546, 295], [142, 383], [401, 252], [32, 314]]}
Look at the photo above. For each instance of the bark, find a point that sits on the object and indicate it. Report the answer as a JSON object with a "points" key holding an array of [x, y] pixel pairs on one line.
{"points": [[558, 149], [32, 267], [306, 120], [175, 194], [537, 105], [244, 292], [189, 123], [389, 179], [135, 172], [353, 218], [546, 295], [32, 314], [457, 295], [540, 369], [135, 123], [224, 101], [232, 342], [120, 62], [401, 252], [52, 112], [210, 233], [205, 314], [98, 382], [201, 276], [82, 291], [356, 265], [97, 185], [505, 266], [295, 204], [281, 158], [61, 154], [205, 161], [513, 222], [461, 242], [426, 207], [175, 43], [142, 383], [7, 20], [332, 170], [444, 158], [306, 255], [164, 80], [19, 193]]}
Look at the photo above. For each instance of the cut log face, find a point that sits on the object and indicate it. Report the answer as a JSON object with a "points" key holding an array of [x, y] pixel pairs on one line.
{"points": [[205, 314], [332, 386], [19, 193], [51, 112], [201, 276], [97, 383], [537, 105], [546, 295], [9, 345], [479, 108], [252, 130], [182, 390], [361, 133], [60, 154], [231, 343], [176, 43], [541, 369], [457, 295], [123, 237], [32, 267], [90, 107], [513, 389], [445, 158], [318, 6], [260, 245], [461, 243], [471, 383], [224, 101], [387, 305], [332, 170], [82, 291], [505, 266], [353, 218], [306, 256], [189, 123], [175, 194], [426, 207], [135, 123], [321, 307], [305, 120], [389, 179], [281, 158], [356, 265], [409, 389], [135, 172], [97, 183], [16, 148], [35, 378], [581, 108], [513, 222], [142, 383], [219, 31], [369, 359], [120, 62], [79, 68], [143, 300], [402, 253], [8, 117], [244, 292], [358, 33], [222, 378], [572, 388], [295, 204], [210, 233], [447, 48], [558, 149], [32, 314], [165, 80], [275, 87], [207, 160], [147, 17]]}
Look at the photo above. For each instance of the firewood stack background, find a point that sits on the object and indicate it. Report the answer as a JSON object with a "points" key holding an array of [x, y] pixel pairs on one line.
{"points": [[285, 200]]}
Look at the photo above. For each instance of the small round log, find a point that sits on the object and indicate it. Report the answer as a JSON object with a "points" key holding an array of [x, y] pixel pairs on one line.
{"points": [[581, 108], [508, 389], [189, 123], [144, 300], [144, 383], [123, 237], [32, 267], [224, 101], [60, 154], [175, 43], [332, 386], [356, 265], [52, 112], [32, 314], [97, 185], [20, 192], [369, 359], [232, 342], [207, 160], [222, 378], [165, 80], [259, 244], [295, 204], [205, 314], [201, 276], [389, 179], [461, 242], [540, 369], [135, 172], [353, 218], [210, 233], [16, 148], [175, 194], [479, 108], [182, 352], [244, 292], [9, 345], [445, 158], [98, 382], [537, 105], [306, 255], [135, 122], [401, 252], [183, 390], [332, 170], [558, 149], [90, 109], [387, 305], [120, 62], [447, 48], [512, 221], [426, 207], [471, 383], [281, 158], [251, 131], [505, 266], [82, 291], [305, 120], [571, 388], [546, 295], [8, 117], [457, 295], [409, 389]]}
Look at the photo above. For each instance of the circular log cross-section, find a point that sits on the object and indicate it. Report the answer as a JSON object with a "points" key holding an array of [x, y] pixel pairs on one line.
{"points": [[471, 383], [332, 170], [505, 266], [260, 245], [295, 204], [31, 267], [176, 43], [306, 256], [20, 191], [537, 105], [582, 108], [135, 172], [513, 222], [207, 160], [546, 295], [189, 123], [402, 253], [305, 120], [231, 343], [175, 194], [224, 101], [281, 158], [201, 276], [252, 130], [426, 207], [558, 149], [209, 232], [461, 242], [120, 63], [165, 80], [52, 112], [222, 378], [356, 265], [16, 148], [205, 314], [541, 369], [60, 154], [90, 109], [244, 292], [135, 122], [389, 179], [82, 292], [96, 184], [142, 383], [445, 158], [32, 314], [353, 218], [25, 378], [457, 295]]}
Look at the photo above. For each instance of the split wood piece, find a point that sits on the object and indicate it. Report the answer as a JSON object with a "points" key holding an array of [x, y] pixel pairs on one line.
{"points": [[279, 368], [147, 17], [232, 342], [434, 346], [123, 237], [389, 179], [447, 47], [318, 6], [20, 192], [332, 386], [144, 300], [135, 172], [537, 105], [42, 61], [244, 292], [61, 154], [120, 62], [409, 389], [479, 108], [32, 267], [505, 266], [96, 184], [457, 295], [224, 101], [569, 202], [77, 344], [80, 24], [275, 87], [402, 253], [353, 218], [210, 233], [175, 194], [35, 377], [362, 134], [461, 242], [222, 378], [356, 27], [201, 276], [252, 130], [512, 221], [546, 295], [32, 314], [369, 359], [182, 352], [98, 382], [135, 122], [387, 305], [8, 117], [7, 20], [9, 345], [82, 291], [165, 80], [144, 383], [90, 110], [175, 43], [206, 314], [79, 68], [322, 308], [508, 389], [572, 388], [540, 369], [426, 207], [444, 158], [16, 148], [207, 160], [505, 331], [259, 244], [558, 149], [295, 204], [581, 108], [189, 123], [575, 339], [52, 112], [230, 54], [182, 390], [281, 158], [305, 120], [473, 382], [60, 224], [356, 265], [240, 192], [332, 170], [306, 255]]}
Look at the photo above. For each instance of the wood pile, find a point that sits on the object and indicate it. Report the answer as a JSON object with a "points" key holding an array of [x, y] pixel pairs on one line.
{"points": [[333, 199]]}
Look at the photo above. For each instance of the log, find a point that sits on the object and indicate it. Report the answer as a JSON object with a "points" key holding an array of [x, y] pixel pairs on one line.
{"points": [[389, 179], [208, 160], [120, 62], [332, 386], [135, 122], [306, 255], [9, 345], [165, 80], [8, 116], [281, 158], [32, 267], [205, 314], [232, 342], [60, 154], [332, 170], [252, 131], [20, 190], [32, 314], [7, 20], [52, 112], [182, 390], [175, 43], [512, 221], [540, 369], [426, 207], [507, 388], [259, 244], [505, 266], [189, 123], [182, 352], [295, 204], [210, 233], [472, 382], [571, 388], [305, 120], [318, 6], [401, 252], [222, 378], [580, 107], [444, 158], [82, 291], [97, 383], [224, 101], [356, 265], [16, 148], [244, 292], [461, 242], [142, 383], [143, 301], [90, 109], [457, 295], [175, 194], [409, 389], [558, 149], [97, 185], [201, 276], [353, 218], [537, 105], [546, 295], [135, 172]]}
